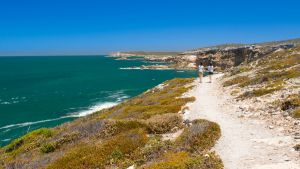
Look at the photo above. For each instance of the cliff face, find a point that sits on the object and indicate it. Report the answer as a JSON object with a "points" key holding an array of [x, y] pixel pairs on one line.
{"points": [[225, 58]]}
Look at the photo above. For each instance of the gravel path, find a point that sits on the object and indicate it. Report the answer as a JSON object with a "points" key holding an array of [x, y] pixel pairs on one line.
{"points": [[244, 144]]}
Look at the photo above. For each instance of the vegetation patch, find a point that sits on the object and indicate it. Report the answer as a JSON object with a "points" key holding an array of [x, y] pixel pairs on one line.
{"points": [[296, 113], [291, 102], [236, 80], [201, 136], [240, 69], [28, 141], [47, 148], [153, 102], [99, 156], [118, 137], [164, 123], [184, 160]]}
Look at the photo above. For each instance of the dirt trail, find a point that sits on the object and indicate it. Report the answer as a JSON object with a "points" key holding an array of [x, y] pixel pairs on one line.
{"points": [[244, 144]]}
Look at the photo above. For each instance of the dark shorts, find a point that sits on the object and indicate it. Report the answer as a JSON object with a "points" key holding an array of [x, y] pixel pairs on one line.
{"points": [[210, 73]]}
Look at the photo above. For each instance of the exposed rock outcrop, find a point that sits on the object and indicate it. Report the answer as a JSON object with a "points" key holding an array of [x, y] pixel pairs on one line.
{"points": [[223, 57]]}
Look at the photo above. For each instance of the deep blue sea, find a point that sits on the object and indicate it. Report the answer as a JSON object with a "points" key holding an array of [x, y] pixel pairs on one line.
{"points": [[45, 91]]}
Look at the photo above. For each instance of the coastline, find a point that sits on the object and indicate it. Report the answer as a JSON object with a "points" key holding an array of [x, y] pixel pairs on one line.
{"points": [[166, 118]]}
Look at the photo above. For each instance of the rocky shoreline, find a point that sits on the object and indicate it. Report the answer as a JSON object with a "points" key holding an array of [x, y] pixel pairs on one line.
{"points": [[223, 57]]}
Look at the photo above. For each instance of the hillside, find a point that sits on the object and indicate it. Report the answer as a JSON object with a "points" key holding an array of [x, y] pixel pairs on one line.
{"points": [[133, 133], [269, 89]]}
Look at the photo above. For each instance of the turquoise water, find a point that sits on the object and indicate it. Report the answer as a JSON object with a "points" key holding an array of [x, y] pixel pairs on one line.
{"points": [[46, 91]]}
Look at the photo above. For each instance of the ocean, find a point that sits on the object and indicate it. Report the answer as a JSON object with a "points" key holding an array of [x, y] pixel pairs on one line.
{"points": [[45, 91]]}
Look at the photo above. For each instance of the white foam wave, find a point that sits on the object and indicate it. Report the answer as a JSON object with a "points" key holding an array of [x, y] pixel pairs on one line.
{"points": [[130, 68], [73, 115], [30, 123], [93, 109], [119, 96], [6, 140], [5, 103]]}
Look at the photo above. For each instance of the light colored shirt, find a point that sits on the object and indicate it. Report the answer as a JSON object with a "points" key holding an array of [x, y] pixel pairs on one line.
{"points": [[210, 68], [201, 68]]}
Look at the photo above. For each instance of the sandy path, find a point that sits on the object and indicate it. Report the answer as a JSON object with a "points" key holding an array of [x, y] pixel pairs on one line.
{"points": [[245, 144]]}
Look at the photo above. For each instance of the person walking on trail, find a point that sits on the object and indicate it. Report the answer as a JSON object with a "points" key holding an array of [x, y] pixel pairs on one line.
{"points": [[210, 69], [201, 71]]}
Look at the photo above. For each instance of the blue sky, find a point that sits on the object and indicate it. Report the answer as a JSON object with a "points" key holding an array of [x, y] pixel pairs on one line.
{"points": [[46, 27]]}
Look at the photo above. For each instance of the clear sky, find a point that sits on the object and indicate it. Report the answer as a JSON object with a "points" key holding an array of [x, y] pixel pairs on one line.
{"points": [[34, 27]]}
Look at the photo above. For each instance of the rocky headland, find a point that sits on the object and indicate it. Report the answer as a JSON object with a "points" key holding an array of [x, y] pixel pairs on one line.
{"points": [[224, 57]]}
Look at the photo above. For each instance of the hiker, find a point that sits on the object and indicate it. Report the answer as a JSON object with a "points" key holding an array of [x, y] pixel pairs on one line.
{"points": [[210, 69], [201, 71]]}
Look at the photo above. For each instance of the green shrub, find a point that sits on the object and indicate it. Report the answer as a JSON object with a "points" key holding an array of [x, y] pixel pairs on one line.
{"points": [[183, 160], [47, 148], [296, 113], [100, 155], [259, 92], [264, 77], [291, 102], [240, 69], [153, 102], [28, 141], [171, 160], [236, 80], [154, 149], [164, 123], [202, 135]]}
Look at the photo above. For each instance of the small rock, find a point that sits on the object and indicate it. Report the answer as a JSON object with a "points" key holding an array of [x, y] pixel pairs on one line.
{"points": [[241, 116], [297, 137], [187, 122], [131, 167], [271, 127], [206, 155], [285, 114], [275, 113]]}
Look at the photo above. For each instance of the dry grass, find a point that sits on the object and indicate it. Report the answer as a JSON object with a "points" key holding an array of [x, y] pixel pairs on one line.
{"points": [[164, 123], [201, 136], [101, 155], [113, 138], [153, 102], [292, 102], [183, 160], [296, 113], [27, 142], [236, 80], [240, 69]]}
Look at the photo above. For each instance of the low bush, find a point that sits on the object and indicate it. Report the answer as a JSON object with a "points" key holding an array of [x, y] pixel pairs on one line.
{"points": [[28, 141], [153, 150], [291, 102], [184, 160], [164, 123], [264, 77], [296, 113], [47, 148], [171, 160], [153, 102], [201, 136], [236, 80], [240, 69], [99, 156]]}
